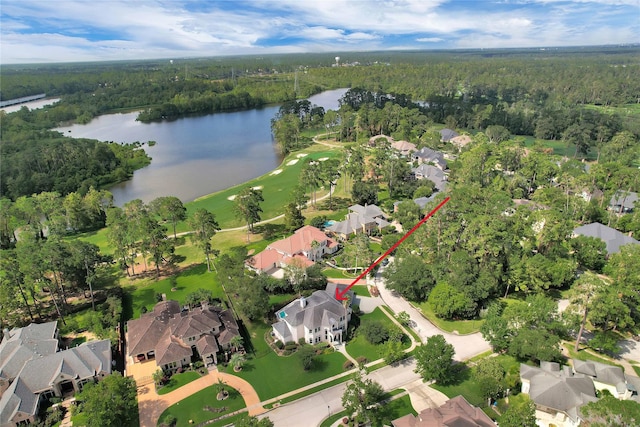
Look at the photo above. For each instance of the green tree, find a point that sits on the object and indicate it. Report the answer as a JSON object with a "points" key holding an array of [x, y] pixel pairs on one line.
{"points": [[589, 252], [449, 303], [583, 292], [357, 254], [196, 297], [247, 207], [364, 193], [112, 401], [434, 359], [307, 356], [392, 352], [293, 218], [169, 208], [360, 398], [408, 214], [490, 376], [374, 332], [410, 277], [611, 412], [204, 226], [237, 361], [519, 414]]}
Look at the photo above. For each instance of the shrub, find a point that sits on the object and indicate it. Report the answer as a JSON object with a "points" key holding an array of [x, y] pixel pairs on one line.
{"points": [[301, 341], [279, 344], [199, 364], [374, 332], [348, 364], [170, 420], [362, 360], [290, 347]]}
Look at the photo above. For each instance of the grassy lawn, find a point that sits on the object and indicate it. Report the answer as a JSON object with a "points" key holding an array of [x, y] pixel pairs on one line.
{"points": [[465, 384], [272, 375], [390, 411], [463, 327], [361, 290], [276, 189], [559, 147], [637, 369], [178, 380], [280, 300], [193, 407], [359, 346], [587, 356], [332, 273], [144, 291]]}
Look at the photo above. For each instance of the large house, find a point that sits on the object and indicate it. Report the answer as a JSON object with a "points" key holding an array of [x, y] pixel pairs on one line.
{"points": [[44, 372], [623, 201], [173, 336], [446, 135], [456, 412], [316, 318], [360, 219], [308, 244], [432, 173], [610, 378], [404, 147], [557, 393], [427, 155], [612, 237]]}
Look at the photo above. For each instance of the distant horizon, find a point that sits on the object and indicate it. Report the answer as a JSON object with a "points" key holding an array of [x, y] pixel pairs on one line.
{"points": [[355, 52], [75, 31]]}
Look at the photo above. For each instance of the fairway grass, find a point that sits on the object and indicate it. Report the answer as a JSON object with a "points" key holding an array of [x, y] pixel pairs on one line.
{"points": [[276, 190]]}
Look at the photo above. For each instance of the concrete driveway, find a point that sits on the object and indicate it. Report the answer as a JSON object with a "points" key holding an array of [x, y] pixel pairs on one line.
{"points": [[466, 346]]}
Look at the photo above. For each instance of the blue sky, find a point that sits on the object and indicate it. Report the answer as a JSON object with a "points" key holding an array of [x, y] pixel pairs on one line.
{"points": [[33, 31]]}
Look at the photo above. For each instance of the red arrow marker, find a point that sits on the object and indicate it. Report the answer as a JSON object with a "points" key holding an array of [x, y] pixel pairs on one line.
{"points": [[340, 295]]}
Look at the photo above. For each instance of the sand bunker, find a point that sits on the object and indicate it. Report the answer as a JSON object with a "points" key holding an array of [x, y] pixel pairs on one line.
{"points": [[292, 162], [276, 172], [323, 159], [259, 187], [301, 155], [232, 198]]}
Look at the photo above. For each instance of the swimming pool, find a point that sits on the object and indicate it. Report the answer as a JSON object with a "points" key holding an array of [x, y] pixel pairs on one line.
{"points": [[329, 223]]}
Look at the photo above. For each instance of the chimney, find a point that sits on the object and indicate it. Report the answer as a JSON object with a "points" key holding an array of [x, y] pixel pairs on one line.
{"points": [[303, 302], [5, 334]]}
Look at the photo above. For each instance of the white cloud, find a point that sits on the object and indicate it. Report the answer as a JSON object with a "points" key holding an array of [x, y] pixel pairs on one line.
{"points": [[429, 40]]}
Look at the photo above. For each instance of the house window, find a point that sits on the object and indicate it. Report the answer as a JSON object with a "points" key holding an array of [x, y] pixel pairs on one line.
{"points": [[310, 340]]}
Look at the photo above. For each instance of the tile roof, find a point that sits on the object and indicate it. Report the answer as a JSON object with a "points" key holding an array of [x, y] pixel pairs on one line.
{"points": [[207, 345], [455, 412], [300, 241], [612, 237], [403, 146]]}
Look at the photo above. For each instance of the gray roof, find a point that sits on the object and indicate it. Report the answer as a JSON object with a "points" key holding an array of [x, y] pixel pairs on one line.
{"points": [[372, 211], [626, 199], [606, 374], [38, 375], [433, 174], [429, 155], [20, 345], [447, 135], [320, 309], [612, 237], [356, 222], [558, 389]]}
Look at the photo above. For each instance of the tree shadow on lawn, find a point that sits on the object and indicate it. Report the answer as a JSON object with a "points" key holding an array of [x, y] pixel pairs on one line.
{"points": [[196, 270]]}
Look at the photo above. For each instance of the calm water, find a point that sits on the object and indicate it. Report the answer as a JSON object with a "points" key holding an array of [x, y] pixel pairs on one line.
{"points": [[194, 156], [31, 105]]}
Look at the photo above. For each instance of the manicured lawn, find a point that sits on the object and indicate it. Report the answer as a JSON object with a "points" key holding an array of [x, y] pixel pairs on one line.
{"points": [[559, 147], [464, 384], [280, 300], [272, 375], [276, 190], [178, 380], [332, 273], [637, 369], [193, 407], [463, 327], [144, 291], [360, 346], [361, 290]]}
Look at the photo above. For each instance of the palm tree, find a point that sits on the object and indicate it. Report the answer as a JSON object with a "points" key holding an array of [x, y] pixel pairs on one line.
{"points": [[236, 342], [157, 376], [237, 360]]}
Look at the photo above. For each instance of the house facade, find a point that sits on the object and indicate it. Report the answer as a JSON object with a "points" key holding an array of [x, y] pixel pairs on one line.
{"points": [[172, 336], [317, 318], [47, 374], [307, 244]]}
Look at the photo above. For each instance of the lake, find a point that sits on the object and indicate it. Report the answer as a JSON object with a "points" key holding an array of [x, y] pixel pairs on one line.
{"points": [[194, 156]]}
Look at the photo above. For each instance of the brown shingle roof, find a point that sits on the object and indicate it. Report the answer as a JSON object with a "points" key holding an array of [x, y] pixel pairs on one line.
{"points": [[456, 412]]}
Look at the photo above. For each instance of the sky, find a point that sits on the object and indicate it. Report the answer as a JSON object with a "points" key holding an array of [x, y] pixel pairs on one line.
{"points": [[41, 31]]}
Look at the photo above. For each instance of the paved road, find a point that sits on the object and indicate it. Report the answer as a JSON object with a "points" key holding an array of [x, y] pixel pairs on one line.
{"points": [[466, 346], [313, 409]]}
